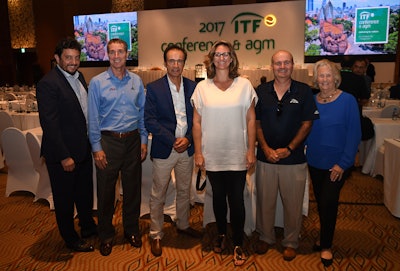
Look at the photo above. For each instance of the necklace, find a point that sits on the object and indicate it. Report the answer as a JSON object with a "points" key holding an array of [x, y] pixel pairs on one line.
{"points": [[327, 98]]}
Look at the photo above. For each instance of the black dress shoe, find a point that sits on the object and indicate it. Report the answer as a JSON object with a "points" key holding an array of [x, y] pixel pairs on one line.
{"points": [[326, 262], [156, 248], [89, 233], [135, 240], [190, 232], [81, 246], [105, 248]]}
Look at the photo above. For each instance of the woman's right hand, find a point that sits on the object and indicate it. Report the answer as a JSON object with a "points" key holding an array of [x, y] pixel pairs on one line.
{"points": [[199, 161]]}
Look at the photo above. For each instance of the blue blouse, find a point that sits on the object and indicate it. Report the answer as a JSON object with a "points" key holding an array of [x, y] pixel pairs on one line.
{"points": [[335, 136]]}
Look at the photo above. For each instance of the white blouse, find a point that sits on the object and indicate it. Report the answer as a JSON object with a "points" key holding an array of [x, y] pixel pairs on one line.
{"points": [[224, 135]]}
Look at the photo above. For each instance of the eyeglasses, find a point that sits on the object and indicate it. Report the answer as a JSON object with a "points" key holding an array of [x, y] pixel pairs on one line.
{"points": [[224, 54], [285, 63], [178, 61], [279, 108]]}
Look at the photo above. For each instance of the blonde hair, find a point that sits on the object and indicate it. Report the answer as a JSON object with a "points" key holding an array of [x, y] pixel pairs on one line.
{"points": [[332, 66]]}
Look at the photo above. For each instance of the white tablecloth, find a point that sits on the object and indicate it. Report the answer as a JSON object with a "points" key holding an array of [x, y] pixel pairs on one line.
{"points": [[391, 184], [371, 112], [375, 112], [25, 121], [254, 75], [384, 128]]}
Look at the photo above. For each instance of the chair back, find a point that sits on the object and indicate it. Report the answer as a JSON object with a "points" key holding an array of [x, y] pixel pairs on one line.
{"points": [[44, 187], [31, 95], [21, 176], [388, 111], [9, 96], [5, 122]]}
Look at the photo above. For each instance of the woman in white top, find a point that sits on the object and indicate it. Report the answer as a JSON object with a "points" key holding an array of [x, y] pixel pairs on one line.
{"points": [[224, 135]]}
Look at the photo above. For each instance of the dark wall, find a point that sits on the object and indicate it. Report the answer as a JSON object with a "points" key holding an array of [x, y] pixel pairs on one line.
{"points": [[53, 20], [7, 67]]}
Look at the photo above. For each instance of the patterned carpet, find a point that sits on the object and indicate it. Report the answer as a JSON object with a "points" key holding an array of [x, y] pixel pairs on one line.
{"points": [[367, 238]]}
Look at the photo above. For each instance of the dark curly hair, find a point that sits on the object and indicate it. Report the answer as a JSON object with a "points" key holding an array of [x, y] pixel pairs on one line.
{"points": [[67, 43]]}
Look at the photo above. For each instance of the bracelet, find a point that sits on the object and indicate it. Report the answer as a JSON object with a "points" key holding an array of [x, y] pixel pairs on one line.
{"points": [[289, 149]]}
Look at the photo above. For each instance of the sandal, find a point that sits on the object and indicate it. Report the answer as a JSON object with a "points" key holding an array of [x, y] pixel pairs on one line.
{"points": [[238, 256], [219, 243], [327, 260]]}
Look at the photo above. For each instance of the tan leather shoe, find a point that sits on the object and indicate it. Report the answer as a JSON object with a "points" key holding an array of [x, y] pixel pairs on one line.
{"points": [[156, 248], [289, 254]]}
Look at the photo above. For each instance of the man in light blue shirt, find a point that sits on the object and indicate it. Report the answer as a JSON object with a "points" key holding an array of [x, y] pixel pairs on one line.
{"points": [[119, 143]]}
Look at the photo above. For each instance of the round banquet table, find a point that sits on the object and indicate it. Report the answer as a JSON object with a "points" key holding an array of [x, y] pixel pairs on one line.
{"points": [[25, 121]]}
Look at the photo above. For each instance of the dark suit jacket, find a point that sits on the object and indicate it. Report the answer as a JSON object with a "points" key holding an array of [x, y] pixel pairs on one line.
{"points": [[62, 119], [160, 119]]}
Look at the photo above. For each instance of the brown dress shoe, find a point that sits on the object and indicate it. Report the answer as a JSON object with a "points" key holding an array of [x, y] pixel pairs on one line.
{"points": [[134, 240], [190, 232], [261, 247], [105, 248], [156, 248], [289, 254]]}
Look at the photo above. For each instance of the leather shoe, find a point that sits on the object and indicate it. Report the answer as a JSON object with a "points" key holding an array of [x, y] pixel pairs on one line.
{"points": [[261, 247], [289, 254], [135, 240], [81, 246], [105, 248], [156, 248], [190, 232]]}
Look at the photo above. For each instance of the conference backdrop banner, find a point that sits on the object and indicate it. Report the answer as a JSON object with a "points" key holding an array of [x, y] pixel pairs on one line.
{"points": [[255, 30]]}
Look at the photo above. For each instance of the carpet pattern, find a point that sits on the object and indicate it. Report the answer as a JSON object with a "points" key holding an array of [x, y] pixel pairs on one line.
{"points": [[367, 238]]}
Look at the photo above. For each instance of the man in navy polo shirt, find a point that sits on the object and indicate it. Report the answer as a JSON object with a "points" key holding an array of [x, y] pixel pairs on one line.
{"points": [[285, 112]]}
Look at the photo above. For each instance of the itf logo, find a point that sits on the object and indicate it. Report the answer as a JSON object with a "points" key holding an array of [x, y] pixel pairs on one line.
{"points": [[365, 15], [114, 28], [249, 21]]}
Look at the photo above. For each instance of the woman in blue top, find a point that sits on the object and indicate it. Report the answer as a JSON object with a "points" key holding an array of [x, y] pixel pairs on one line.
{"points": [[331, 149]]}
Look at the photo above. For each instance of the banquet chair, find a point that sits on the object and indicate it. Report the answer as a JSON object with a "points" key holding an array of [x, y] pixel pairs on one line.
{"points": [[5, 122], [21, 176], [9, 96], [31, 95], [388, 110], [43, 190]]}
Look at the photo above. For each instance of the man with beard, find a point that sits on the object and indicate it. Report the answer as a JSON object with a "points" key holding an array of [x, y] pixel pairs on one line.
{"points": [[62, 102]]}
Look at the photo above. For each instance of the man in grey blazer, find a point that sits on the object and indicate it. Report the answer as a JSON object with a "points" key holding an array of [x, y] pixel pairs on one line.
{"points": [[168, 116], [62, 103]]}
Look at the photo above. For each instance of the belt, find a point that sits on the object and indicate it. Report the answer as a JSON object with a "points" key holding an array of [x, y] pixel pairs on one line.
{"points": [[120, 134]]}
